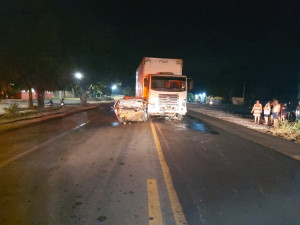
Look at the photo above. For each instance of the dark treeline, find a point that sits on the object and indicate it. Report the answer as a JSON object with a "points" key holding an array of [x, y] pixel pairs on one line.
{"points": [[41, 47]]}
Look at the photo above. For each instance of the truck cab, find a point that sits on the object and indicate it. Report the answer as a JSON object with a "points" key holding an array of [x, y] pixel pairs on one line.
{"points": [[159, 82], [166, 94], [161, 90]]}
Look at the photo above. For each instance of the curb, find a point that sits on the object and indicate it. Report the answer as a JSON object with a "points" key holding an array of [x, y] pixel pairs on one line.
{"points": [[26, 122], [283, 146]]}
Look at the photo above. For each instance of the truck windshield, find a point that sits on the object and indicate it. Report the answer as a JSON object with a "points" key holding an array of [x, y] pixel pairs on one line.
{"points": [[166, 83]]}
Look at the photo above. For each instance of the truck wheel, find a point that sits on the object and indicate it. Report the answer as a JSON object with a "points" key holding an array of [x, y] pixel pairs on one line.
{"points": [[179, 117], [145, 116]]}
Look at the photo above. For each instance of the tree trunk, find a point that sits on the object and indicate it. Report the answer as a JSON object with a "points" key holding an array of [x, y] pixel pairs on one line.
{"points": [[30, 102], [40, 99], [83, 98]]}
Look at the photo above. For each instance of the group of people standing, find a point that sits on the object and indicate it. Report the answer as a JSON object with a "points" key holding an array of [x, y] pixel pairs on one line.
{"points": [[273, 112]]}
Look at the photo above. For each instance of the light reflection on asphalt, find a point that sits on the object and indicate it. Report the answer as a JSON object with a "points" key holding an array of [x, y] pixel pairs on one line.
{"points": [[189, 123], [114, 124]]}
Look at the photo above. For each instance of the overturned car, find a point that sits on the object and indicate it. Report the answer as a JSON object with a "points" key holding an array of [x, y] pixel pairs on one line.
{"points": [[131, 110]]}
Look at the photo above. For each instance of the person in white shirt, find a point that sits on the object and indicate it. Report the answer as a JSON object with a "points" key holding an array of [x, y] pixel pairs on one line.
{"points": [[267, 112]]}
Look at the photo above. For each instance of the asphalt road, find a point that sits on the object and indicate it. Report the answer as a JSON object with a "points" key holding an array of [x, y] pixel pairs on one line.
{"points": [[88, 169]]}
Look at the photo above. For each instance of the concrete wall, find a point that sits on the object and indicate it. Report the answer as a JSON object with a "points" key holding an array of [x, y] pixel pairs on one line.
{"points": [[24, 95], [237, 101], [64, 94]]}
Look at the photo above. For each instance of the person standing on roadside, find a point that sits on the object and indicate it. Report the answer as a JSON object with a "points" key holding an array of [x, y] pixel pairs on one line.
{"points": [[271, 121], [267, 112], [62, 102], [275, 112], [257, 110], [297, 112], [283, 112], [50, 103]]}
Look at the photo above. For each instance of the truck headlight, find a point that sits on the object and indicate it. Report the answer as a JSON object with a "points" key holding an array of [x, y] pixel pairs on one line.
{"points": [[184, 103], [152, 105]]}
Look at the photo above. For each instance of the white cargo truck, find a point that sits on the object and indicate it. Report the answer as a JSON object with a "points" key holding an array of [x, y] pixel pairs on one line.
{"points": [[161, 90]]}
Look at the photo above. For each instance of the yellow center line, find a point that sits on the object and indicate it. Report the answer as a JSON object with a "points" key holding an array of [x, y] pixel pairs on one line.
{"points": [[175, 204], [155, 217]]}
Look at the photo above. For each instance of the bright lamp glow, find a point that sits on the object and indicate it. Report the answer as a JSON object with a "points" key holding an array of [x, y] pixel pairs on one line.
{"points": [[78, 76], [204, 94], [114, 87]]}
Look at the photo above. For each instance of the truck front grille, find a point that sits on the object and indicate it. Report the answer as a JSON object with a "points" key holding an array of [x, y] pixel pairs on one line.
{"points": [[166, 99]]}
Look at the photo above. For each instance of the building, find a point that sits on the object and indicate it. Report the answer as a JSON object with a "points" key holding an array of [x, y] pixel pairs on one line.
{"points": [[24, 95]]}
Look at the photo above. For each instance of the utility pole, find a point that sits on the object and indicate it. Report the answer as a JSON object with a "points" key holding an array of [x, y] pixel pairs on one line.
{"points": [[244, 89]]}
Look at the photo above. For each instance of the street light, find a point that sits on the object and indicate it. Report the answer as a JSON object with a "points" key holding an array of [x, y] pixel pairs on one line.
{"points": [[203, 97], [113, 88], [78, 76], [77, 87]]}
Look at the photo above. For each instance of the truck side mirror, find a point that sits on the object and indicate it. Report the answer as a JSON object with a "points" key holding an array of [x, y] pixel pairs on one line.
{"points": [[190, 84]]}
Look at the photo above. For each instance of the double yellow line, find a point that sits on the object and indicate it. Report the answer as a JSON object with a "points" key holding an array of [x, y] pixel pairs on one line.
{"points": [[155, 217]]}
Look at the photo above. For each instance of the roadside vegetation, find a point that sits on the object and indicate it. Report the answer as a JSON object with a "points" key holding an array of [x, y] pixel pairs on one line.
{"points": [[14, 111], [288, 130], [44, 60]]}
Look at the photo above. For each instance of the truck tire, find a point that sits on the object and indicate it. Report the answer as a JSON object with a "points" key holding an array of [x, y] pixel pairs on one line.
{"points": [[179, 117], [145, 116]]}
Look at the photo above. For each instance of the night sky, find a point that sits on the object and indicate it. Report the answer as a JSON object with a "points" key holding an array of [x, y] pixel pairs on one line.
{"points": [[223, 43]]}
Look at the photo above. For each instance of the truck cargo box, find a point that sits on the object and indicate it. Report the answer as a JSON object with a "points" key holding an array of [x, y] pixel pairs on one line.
{"points": [[156, 66]]}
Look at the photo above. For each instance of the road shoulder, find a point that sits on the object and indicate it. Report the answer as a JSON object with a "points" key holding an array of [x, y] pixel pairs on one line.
{"points": [[20, 123], [278, 144]]}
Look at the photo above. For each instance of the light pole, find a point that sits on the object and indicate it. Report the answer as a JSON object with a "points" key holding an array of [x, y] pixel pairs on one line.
{"points": [[78, 76], [203, 97]]}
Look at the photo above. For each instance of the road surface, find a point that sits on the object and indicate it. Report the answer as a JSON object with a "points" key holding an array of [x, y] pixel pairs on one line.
{"points": [[89, 169]]}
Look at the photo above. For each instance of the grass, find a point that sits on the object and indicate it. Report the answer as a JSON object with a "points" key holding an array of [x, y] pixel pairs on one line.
{"points": [[12, 110], [288, 130], [15, 112]]}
